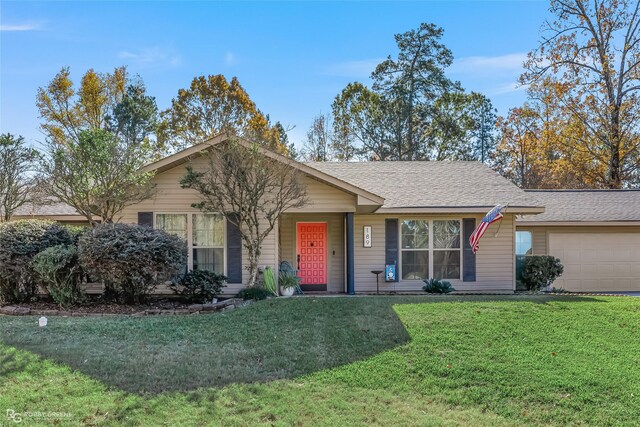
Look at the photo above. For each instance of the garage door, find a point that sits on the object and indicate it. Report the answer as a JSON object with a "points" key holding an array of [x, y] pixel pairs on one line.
{"points": [[597, 261]]}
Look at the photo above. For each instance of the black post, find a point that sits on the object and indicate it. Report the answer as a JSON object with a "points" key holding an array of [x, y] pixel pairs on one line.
{"points": [[351, 290]]}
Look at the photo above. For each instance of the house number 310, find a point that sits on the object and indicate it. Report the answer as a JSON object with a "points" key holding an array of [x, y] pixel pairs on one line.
{"points": [[367, 236]]}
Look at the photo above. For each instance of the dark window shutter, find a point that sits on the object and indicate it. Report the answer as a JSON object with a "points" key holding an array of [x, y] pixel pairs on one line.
{"points": [[234, 253], [468, 257], [145, 218], [391, 243]]}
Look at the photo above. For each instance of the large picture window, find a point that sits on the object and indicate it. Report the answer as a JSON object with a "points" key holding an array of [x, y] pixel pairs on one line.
{"points": [[415, 249], [430, 249], [204, 234]]}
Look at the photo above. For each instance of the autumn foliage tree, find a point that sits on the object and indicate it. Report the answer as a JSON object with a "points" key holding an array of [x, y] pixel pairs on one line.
{"points": [[589, 61], [99, 136], [213, 105], [519, 150], [539, 144], [116, 102]]}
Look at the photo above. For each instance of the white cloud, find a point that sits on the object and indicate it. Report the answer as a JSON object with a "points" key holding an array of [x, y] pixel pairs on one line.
{"points": [[359, 68], [229, 59], [19, 27], [509, 63], [153, 56], [508, 88]]}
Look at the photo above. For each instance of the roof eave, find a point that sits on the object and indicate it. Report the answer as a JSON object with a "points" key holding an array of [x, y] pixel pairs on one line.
{"points": [[459, 209], [53, 217], [530, 223]]}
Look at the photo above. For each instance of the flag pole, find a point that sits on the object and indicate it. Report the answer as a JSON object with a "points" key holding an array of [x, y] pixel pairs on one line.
{"points": [[503, 211]]}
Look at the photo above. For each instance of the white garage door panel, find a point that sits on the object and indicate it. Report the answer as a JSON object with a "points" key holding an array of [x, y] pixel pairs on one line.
{"points": [[597, 262]]}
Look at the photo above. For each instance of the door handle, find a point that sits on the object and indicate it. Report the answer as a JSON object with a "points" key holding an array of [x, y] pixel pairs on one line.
{"points": [[298, 261]]}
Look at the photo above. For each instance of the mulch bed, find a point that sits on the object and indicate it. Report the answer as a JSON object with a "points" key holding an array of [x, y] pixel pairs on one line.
{"points": [[98, 308]]}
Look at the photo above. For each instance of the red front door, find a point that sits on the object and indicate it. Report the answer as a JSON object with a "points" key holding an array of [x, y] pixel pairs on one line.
{"points": [[312, 255]]}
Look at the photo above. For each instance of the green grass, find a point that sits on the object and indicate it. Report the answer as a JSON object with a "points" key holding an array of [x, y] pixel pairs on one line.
{"points": [[531, 360]]}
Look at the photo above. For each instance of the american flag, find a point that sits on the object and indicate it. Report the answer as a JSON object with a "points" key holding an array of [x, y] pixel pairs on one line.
{"points": [[493, 216]]}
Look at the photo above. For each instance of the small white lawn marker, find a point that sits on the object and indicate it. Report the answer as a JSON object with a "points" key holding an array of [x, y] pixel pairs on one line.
{"points": [[42, 321]]}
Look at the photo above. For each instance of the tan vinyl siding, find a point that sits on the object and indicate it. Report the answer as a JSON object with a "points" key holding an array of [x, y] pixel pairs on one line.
{"points": [[324, 198], [494, 262], [539, 242], [97, 288], [335, 244]]}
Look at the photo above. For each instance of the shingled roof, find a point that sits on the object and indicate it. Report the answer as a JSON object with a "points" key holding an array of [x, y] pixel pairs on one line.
{"points": [[585, 206], [424, 184], [45, 209]]}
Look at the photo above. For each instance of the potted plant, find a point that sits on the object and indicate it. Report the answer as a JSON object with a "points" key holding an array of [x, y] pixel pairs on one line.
{"points": [[288, 282]]}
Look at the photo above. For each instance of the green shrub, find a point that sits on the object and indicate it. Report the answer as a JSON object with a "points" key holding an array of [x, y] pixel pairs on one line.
{"points": [[132, 259], [20, 241], [59, 271], [539, 271], [288, 279], [254, 293], [433, 286], [200, 286]]}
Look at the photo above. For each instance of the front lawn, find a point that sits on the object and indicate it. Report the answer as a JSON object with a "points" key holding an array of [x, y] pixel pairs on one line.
{"points": [[335, 361]]}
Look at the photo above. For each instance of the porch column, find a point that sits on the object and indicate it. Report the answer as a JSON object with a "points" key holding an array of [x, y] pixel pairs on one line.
{"points": [[351, 289]]}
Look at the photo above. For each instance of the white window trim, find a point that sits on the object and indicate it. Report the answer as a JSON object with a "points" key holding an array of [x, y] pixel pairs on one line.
{"points": [[430, 249], [190, 246]]}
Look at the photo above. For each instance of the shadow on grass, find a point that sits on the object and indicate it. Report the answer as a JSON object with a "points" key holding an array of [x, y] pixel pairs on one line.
{"points": [[274, 339], [11, 362]]}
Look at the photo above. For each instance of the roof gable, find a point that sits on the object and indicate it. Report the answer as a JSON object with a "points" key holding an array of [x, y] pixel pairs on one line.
{"points": [[364, 197]]}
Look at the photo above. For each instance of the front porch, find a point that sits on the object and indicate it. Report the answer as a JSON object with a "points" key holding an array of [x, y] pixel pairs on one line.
{"points": [[332, 257]]}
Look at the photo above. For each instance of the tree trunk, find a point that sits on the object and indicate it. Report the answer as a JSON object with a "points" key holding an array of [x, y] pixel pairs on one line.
{"points": [[615, 178], [254, 260]]}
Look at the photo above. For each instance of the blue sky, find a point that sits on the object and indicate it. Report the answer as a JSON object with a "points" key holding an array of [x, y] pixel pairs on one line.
{"points": [[293, 58]]}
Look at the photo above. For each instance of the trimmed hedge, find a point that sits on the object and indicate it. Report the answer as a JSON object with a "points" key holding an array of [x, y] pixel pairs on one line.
{"points": [[253, 293], [20, 241], [131, 258], [539, 271], [60, 272], [200, 286]]}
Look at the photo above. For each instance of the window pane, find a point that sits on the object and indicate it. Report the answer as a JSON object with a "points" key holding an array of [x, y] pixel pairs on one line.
{"points": [[209, 259], [523, 243], [446, 264], [415, 265], [446, 234], [208, 230], [415, 234], [173, 223]]}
